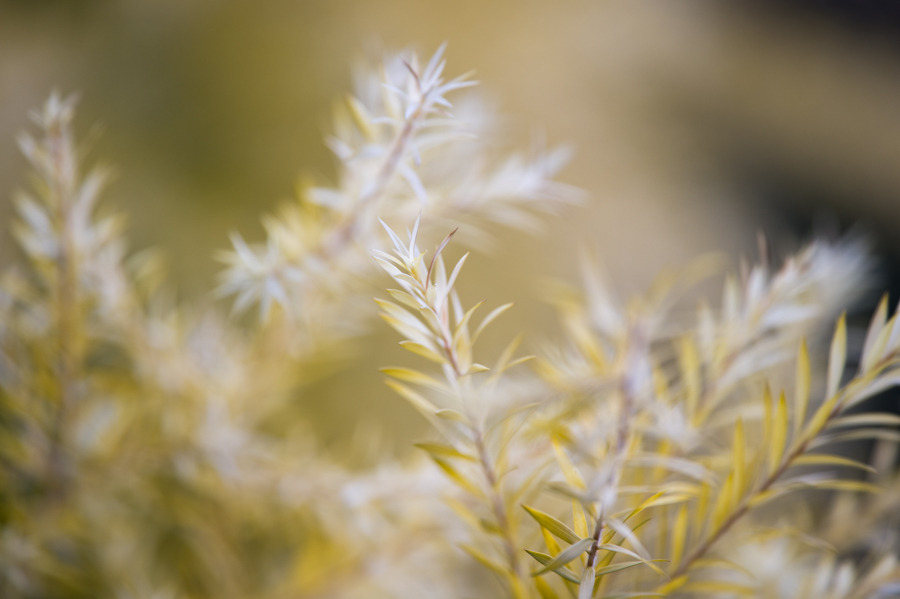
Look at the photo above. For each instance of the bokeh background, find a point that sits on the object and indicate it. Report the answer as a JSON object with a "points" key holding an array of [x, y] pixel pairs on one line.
{"points": [[694, 125]]}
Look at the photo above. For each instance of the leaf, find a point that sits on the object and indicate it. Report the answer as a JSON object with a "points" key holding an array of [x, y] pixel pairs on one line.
{"points": [[418, 401], [571, 474], [628, 534], [866, 434], [553, 525], [826, 411], [457, 477], [778, 440], [452, 415], [496, 312], [409, 375], [461, 330], [579, 519], [544, 559], [690, 374], [801, 387], [405, 298], [739, 460], [679, 534], [586, 586], [424, 351], [875, 341], [437, 253], [866, 419], [566, 556], [455, 273], [619, 549], [724, 502], [821, 459], [436, 449], [856, 486], [484, 560], [618, 566], [837, 356], [544, 589]]}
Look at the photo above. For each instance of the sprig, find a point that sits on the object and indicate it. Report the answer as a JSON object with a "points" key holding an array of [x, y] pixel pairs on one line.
{"points": [[427, 312]]}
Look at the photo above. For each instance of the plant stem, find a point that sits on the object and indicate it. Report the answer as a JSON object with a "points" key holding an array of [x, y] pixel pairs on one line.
{"points": [[63, 189]]}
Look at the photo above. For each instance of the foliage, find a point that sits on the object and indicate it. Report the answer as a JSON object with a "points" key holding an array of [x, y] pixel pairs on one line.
{"points": [[144, 450]]}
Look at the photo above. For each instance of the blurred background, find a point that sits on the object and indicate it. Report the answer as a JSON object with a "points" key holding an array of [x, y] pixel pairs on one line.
{"points": [[694, 124]]}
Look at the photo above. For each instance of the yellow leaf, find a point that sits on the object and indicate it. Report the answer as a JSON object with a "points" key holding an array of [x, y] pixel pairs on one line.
{"points": [[412, 376], [457, 477], [679, 534], [436, 449], [690, 374], [579, 519], [427, 408], [837, 356], [553, 525], [801, 387], [778, 442], [544, 589], [424, 351], [821, 459], [724, 502], [571, 474], [739, 460], [484, 560], [876, 336]]}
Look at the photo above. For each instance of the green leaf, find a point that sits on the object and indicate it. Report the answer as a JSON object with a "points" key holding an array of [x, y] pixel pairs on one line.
{"points": [[553, 525]]}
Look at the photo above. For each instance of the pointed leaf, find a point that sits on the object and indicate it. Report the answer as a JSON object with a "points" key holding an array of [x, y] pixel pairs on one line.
{"points": [[568, 554], [544, 559], [801, 387], [553, 525], [837, 356]]}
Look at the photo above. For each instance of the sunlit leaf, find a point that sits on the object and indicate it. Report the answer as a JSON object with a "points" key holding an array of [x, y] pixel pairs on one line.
{"points": [[553, 525], [567, 555], [544, 559], [837, 357]]}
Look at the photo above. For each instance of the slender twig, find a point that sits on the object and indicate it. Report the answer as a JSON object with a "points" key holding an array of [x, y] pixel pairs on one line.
{"points": [[66, 296]]}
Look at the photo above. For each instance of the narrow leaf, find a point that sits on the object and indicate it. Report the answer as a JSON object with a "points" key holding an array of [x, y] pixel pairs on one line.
{"points": [[438, 450], [484, 560], [544, 559], [586, 588], [553, 525], [567, 555], [801, 387], [837, 356]]}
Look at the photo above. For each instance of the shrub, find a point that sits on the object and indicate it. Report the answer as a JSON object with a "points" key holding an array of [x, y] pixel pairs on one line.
{"points": [[144, 450]]}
